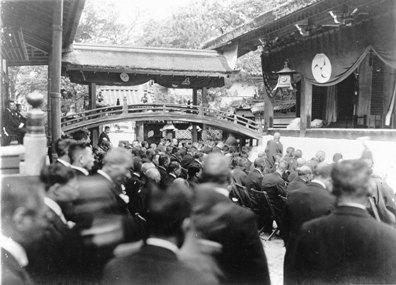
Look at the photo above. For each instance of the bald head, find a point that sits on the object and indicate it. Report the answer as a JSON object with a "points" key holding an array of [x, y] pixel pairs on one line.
{"points": [[259, 163], [282, 166], [153, 175], [277, 136], [322, 170], [300, 162], [118, 163], [320, 156], [216, 168], [146, 166], [118, 155], [261, 154], [298, 153], [305, 172]]}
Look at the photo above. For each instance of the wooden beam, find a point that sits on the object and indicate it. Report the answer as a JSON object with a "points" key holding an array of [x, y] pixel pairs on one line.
{"points": [[306, 105]]}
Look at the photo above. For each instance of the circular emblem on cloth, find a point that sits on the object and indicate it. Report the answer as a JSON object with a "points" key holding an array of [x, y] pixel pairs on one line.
{"points": [[321, 68], [124, 77]]}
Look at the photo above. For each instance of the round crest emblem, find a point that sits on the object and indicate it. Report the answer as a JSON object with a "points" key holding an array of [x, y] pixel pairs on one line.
{"points": [[321, 68]]}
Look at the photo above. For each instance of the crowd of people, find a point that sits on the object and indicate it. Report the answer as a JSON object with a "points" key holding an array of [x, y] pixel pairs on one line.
{"points": [[195, 213]]}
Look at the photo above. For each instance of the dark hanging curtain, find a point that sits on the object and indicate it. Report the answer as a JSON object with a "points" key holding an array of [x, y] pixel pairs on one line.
{"points": [[346, 48], [365, 87], [331, 104]]}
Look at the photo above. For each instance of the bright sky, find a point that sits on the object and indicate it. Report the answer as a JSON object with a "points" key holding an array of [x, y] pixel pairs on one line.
{"points": [[156, 9]]}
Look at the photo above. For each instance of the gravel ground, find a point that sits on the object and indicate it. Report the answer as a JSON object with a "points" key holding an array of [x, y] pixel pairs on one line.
{"points": [[275, 252]]}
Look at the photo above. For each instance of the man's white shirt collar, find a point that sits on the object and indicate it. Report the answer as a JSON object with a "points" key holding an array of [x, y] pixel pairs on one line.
{"points": [[56, 208], [83, 170], [162, 243], [65, 163], [15, 249], [259, 171], [222, 191], [319, 182], [351, 204], [105, 175]]}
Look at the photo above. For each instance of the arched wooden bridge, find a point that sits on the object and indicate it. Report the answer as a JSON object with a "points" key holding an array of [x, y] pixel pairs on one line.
{"points": [[161, 112]]}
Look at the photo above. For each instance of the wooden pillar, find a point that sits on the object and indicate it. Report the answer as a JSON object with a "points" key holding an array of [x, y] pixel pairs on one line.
{"points": [[92, 105], [306, 105], [55, 74], [194, 132], [49, 121], [140, 131], [92, 95], [268, 113], [204, 103]]}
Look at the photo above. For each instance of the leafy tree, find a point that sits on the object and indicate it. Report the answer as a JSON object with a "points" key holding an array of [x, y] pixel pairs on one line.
{"points": [[100, 23]]}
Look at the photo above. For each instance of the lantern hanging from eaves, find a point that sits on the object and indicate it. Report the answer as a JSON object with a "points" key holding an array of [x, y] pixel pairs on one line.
{"points": [[285, 78]]}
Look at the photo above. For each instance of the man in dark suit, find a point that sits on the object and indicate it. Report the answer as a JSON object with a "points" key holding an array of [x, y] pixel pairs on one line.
{"points": [[304, 175], [255, 177], [133, 187], [62, 150], [274, 148], [58, 253], [238, 174], [13, 126], [101, 211], [81, 158], [309, 202], [347, 246], [157, 262], [22, 224], [275, 187], [216, 218], [163, 162], [174, 171]]}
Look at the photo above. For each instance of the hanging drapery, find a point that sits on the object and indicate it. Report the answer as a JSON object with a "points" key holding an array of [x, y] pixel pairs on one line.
{"points": [[331, 104], [391, 108], [365, 87], [346, 48]]}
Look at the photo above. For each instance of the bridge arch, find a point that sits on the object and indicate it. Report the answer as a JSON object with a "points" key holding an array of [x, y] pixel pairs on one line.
{"points": [[161, 112]]}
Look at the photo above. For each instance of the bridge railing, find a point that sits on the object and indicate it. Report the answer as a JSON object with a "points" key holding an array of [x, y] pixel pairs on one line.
{"points": [[159, 108]]}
